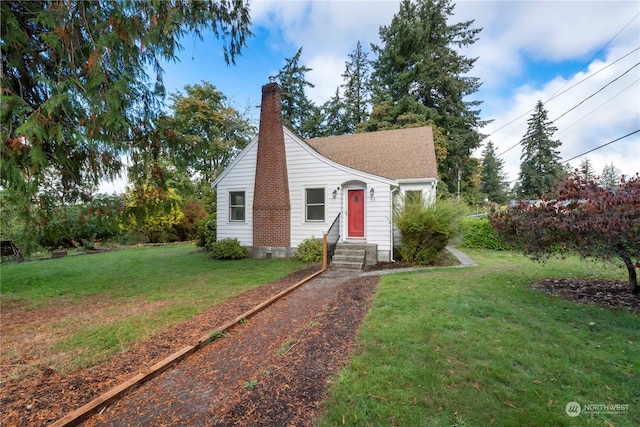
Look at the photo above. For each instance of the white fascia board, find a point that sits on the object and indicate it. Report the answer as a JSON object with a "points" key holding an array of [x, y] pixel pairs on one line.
{"points": [[418, 180]]}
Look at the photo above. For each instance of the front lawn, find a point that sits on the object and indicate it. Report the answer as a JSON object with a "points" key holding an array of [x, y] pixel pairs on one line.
{"points": [[476, 346], [77, 311]]}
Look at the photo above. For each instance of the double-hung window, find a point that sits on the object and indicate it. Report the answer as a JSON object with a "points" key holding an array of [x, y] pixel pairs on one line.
{"points": [[413, 198], [236, 206], [314, 204]]}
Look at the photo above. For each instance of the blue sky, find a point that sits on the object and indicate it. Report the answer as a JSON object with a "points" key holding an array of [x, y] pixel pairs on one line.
{"points": [[527, 51]]}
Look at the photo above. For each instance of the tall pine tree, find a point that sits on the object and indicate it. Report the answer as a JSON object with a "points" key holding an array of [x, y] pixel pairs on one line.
{"points": [[357, 93], [298, 112], [76, 89], [420, 75], [610, 176], [540, 166], [335, 116], [493, 182]]}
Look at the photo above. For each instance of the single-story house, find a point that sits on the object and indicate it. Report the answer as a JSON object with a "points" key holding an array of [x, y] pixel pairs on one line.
{"points": [[281, 189]]}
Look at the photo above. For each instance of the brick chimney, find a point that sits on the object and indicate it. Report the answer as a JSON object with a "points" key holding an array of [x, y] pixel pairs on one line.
{"points": [[271, 205]]}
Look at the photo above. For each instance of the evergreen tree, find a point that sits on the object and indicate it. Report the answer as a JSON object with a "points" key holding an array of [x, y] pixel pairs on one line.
{"points": [[77, 96], [610, 176], [586, 170], [356, 88], [298, 112], [540, 166], [419, 72], [335, 117], [314, 123], [493, 181]]}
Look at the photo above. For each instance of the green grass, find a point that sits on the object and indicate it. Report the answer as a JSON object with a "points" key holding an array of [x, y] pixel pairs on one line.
{"points": [[182, 280], [478, 347], [155, 273]]}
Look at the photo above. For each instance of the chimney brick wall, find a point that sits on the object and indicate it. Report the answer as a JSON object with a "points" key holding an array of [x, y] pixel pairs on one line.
{"points": [[271, 204]]}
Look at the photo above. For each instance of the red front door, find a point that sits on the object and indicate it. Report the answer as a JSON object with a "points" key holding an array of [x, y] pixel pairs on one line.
{"points": [[355, 213]]}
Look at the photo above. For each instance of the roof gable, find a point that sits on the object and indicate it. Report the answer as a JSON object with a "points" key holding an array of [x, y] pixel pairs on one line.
{"points": [[395, 154], [357, 173]]}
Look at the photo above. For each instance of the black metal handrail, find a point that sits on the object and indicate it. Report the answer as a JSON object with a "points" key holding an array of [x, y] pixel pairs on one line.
{"points": [[333, 235]]}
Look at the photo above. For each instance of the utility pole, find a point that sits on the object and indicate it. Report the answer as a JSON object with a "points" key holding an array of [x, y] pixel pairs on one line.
{"points": [[459, 177]]}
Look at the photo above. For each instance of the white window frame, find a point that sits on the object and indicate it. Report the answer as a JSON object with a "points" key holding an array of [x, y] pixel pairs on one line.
{"points": [[243, 206], [307, 204]]}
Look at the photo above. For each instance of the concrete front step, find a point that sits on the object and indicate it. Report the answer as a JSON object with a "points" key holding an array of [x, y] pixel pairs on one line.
{"points": [[348, 257], [340, 265]]}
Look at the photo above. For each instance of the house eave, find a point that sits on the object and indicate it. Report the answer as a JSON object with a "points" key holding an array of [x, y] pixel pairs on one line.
{"points": [[417, 180]]}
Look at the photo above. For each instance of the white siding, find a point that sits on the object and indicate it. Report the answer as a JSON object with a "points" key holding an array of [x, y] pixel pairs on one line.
{"points": [[239, 176], [426, 186]]}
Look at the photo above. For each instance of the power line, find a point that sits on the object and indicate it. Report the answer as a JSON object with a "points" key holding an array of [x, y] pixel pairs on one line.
{"points": [[596, 92], [603, 145], [575, 106], [509, 149], [603, 48], [590, 151], [597, 108], [568, 89], [583, 67], [591, 75]]}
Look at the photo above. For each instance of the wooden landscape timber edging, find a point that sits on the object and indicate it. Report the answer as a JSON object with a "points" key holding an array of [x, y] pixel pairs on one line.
{"points": [[79, 415]]}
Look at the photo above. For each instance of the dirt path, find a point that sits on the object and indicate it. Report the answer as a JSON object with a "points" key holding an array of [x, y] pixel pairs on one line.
{"points": [[271, 370]]}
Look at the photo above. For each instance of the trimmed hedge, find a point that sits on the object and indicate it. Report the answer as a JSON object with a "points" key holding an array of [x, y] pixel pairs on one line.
{"points": [[478, 233]]}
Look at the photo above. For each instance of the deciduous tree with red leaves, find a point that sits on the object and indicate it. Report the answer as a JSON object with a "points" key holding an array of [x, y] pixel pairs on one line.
{"points": [[579, 217]]}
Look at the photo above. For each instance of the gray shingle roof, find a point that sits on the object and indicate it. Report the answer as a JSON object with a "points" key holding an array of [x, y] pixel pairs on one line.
{"points": [[395, 154]]}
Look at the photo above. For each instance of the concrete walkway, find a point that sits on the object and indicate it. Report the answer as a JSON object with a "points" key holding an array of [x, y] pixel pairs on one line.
{"points": [[463, 259]]}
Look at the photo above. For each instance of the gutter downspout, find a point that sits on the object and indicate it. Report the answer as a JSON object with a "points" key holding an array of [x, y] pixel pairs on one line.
{"points": [[394, 192]]}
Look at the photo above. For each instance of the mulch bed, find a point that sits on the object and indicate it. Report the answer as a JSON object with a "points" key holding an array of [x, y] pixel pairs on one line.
{"points": [[606, 293], [283, 389]]}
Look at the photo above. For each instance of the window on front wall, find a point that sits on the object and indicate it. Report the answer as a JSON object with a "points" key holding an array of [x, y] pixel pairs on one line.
{"points": [[314, 204], [236, 206], [413, 198]]}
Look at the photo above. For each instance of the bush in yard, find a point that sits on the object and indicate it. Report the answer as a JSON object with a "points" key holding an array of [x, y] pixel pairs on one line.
{"points": [[228, 249], [207, 233], [478, 233], [309, 250], [579, 217], [425, 229], [194, 213]]}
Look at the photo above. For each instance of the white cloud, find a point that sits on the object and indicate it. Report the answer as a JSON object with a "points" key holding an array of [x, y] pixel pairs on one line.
{"points": [[552, 33], [327, 31], [326, 76]]}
